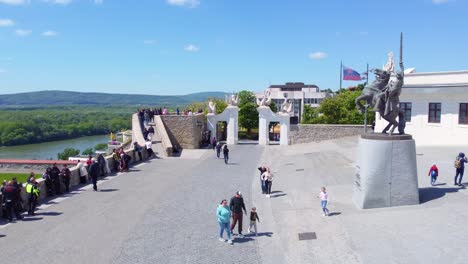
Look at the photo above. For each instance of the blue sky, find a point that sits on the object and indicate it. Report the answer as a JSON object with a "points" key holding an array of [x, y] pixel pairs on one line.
{"points": [[185, 46]]}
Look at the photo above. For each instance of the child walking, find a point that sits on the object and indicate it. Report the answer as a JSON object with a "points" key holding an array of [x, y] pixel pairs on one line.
{"points": [[253, 220], [324, 200], [433, 172]]}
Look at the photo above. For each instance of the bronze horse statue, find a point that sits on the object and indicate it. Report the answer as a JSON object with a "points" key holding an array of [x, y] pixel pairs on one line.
{"points": [[373, 90]]}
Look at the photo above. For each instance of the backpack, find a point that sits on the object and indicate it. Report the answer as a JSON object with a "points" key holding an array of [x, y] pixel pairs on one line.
{"points": [[457, 163]]}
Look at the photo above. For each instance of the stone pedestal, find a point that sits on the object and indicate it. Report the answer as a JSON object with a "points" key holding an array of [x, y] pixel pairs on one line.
{"points": [[387, 173], [265, 117]]}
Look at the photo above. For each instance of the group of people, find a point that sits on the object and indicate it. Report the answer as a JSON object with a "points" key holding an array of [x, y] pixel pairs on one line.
{"points": [[266, 180], [459, 165], [12, 203], [231, 215], [54, 177], [121, 160], [218, 146]]}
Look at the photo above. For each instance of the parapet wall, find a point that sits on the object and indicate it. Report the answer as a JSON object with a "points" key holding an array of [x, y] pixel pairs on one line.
{"points": [[184, 131], [303, 133]]}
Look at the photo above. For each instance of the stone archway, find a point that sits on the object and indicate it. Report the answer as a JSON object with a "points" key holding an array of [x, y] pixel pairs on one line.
{"points": [[230, 115], [266, 116]]}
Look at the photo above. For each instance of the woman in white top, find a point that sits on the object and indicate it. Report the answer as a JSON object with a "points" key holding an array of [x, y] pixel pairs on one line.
{"points": [[324, 200], [267, 176]]}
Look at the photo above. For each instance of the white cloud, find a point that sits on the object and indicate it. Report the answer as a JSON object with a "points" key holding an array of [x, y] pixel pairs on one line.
{"points": [[58, 2], [191, 48], [49, 33], [98, 2], [6, 22], [187, 3], [318, 55], [14, 2], [23, 32], [149, 42], [439, 2]]}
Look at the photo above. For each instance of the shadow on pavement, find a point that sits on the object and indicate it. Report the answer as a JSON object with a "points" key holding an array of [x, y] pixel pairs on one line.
{"points": [[232, 163], [440, 184], [430, 193], [268, 234], [50, 213], [238, 240], [278, 195], [108, 190], [2, 235], [132, 170], [334, 213], [27, 219]]}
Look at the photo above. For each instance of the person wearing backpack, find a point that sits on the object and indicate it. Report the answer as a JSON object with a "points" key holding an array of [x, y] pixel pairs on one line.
{"points": [[460, 168], [433, 172]]}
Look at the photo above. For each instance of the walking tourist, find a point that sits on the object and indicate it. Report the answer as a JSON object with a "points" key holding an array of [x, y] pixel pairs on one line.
{"points": [[460, 168], [83, 173], [262, 170], [253, 221], [149, 149], [237, 205], [151, 133], [323, 201], [213, 142], [115, 159], [433, 172], [145, 134], [224, 215], [218, 149], [94, 173], [137, 149], [66, 175], [102, 165], [226, 154], [267, 176]]}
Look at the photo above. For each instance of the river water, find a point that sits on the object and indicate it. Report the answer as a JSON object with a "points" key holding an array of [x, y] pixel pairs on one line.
{"points": [[48, 150]]}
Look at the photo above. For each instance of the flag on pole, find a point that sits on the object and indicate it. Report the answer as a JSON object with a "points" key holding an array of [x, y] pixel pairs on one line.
{"points": [[350, 74]]}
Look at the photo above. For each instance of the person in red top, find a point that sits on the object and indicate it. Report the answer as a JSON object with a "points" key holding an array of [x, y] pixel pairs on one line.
{"points": [[433, 172]]}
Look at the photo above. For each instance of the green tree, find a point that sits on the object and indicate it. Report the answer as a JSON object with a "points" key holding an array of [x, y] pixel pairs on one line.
{"points": [[220, 105], [340, 109], [248, 114], [100, 146], [68, 152], [88, 151]]}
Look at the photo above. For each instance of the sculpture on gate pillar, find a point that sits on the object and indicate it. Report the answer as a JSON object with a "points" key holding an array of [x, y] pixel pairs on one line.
{"points": [[211, 107], [232, 100], [286, 106], [265, 100]]}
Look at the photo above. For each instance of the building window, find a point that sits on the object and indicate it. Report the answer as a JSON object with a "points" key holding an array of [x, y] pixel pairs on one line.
{"points": [[463, 114], [434, 112], [406, 107]]}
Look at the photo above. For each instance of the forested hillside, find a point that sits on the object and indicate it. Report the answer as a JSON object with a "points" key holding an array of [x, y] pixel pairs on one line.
{"points": [[34, 125], [58, 98]]}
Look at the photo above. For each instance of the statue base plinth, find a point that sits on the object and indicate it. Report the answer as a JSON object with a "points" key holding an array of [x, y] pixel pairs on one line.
{"points": [[387, 173]]}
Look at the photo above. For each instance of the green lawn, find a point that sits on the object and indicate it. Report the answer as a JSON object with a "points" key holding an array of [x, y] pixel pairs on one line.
{"points": [[21, 177]]}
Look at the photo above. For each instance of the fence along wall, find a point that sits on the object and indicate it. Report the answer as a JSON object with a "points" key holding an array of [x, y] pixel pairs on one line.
{"points": [[314, 133]]}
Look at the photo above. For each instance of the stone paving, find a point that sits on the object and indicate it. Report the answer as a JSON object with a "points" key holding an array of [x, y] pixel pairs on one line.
{"points": [[163, 211]]}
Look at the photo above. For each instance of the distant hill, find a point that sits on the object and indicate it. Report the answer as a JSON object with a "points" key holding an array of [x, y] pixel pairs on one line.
{"points": [[60, 98]]}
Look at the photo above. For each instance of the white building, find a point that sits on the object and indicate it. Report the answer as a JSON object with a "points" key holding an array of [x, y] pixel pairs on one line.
{"points": [[436, 108], [299, 94]]}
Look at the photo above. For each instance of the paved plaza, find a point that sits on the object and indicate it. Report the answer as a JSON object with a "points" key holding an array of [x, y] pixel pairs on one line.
{"points": [[163, 211]]}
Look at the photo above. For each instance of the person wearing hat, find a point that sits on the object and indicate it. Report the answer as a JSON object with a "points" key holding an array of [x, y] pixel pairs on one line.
{"points": [[237, 205]]}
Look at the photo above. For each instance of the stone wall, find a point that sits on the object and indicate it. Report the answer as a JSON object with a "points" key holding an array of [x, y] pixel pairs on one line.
{"points": [[184, 131], [314, 133]]}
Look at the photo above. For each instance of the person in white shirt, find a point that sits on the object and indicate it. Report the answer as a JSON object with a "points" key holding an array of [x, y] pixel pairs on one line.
{"points": [[324, 200], [267, 176], [150, 151]]}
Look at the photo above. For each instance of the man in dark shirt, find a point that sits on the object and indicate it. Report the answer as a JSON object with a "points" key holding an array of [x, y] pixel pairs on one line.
{"points": [[55, 176], [237, 205], [94, 173]]}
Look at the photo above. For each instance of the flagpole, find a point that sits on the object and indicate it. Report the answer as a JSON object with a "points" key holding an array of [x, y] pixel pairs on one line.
{"points": [[367, 74], [341, 74]]}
